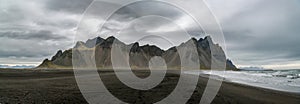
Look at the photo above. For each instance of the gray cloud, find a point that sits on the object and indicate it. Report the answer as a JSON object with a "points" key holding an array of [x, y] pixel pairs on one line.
{"points": [[132, 18], [257, 32], [29, 35], [22, 53], [66, 24], [72, 6], [262, 33], [29, 32]]}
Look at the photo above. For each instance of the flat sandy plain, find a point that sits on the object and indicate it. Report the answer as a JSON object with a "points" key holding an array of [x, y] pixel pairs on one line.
{"points": [[59, 86]]}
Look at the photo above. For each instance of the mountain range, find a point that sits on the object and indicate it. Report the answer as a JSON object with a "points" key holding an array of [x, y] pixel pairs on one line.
{"points": [[99, 50]]}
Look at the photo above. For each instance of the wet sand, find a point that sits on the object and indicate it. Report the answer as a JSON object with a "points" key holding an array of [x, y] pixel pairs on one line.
{"points": [[59, 86]]}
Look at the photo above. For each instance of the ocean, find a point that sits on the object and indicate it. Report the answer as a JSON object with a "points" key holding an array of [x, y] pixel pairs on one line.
{"points": [[282, 80]]}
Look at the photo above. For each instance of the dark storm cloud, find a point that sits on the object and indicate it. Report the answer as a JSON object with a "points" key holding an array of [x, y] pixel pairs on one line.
{"points": [[29, 35]]}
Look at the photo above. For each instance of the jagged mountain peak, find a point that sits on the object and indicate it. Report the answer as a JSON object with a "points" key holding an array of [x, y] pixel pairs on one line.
{"points": [[80, 44], [140, 55], [92, 42], [110, 38], [58, 54], [205, 42]]}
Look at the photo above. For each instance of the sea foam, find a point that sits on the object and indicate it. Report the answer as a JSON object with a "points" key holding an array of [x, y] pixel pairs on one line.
{"points": [[282, 80]]}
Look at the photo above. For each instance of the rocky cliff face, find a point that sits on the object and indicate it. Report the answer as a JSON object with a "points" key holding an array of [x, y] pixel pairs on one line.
{"points": [[99, 49]]}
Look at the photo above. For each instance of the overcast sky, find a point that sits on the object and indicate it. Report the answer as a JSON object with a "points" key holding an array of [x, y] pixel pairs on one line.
{"points": [[257, 32]]}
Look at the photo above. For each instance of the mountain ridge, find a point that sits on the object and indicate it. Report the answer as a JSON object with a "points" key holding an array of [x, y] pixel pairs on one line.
{"points": [[139, 55]]}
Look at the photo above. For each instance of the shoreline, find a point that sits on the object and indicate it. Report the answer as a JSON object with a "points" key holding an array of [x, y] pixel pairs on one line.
{"points": [[225, 80]]}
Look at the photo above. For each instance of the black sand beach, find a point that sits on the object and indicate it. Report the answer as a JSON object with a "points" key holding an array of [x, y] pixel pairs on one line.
{"points": [[59, 86]]}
